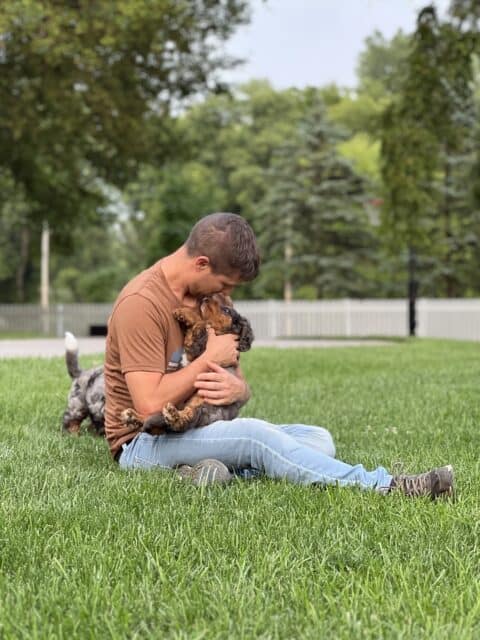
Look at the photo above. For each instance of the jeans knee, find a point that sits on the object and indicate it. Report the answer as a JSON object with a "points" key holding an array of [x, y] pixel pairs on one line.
{"points": [[329, 446], [258, 430]]}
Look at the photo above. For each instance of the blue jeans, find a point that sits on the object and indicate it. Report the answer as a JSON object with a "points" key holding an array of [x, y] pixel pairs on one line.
{"points": [[299, 453]]}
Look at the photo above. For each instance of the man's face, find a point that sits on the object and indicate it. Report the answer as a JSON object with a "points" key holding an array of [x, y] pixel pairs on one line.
{"points": [[208, 283]]}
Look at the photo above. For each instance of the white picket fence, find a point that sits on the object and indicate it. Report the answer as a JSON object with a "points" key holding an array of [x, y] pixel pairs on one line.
{"points": [[450, 318]]}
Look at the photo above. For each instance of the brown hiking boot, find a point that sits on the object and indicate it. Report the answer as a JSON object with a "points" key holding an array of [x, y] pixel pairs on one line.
{"points": [[206, 472], [435, 483]]}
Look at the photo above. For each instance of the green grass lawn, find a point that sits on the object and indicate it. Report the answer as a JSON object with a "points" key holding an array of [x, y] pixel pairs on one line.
{"points": [[89, 551]]}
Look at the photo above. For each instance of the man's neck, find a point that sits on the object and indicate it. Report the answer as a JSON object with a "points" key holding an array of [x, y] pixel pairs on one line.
{"points": [[175, 268]]}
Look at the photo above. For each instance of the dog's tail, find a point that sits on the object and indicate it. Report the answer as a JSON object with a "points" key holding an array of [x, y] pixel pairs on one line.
{"points": [[71, 355]]}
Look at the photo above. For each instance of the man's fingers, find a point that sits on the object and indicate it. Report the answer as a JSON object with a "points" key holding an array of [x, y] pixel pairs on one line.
{"points": [[212, 395], [218, 403], [215, 367], [210, 377], [207, 385]]}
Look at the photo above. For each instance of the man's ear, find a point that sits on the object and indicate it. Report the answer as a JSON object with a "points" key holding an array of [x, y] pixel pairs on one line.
{"points": [[202, 263]]}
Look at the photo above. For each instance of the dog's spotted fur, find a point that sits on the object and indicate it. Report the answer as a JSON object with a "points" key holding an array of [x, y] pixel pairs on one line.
{"points": [[218, 313], [87, 393]]}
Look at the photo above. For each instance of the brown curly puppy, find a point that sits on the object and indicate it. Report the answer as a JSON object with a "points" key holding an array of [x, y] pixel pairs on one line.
{"points": [[218, 313]]}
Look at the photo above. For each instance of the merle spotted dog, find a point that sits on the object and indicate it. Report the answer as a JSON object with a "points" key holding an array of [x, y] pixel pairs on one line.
{"points": [[87, 393]]}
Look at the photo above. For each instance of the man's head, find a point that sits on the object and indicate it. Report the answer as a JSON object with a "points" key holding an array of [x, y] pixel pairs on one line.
{"points": [[225, 253]]}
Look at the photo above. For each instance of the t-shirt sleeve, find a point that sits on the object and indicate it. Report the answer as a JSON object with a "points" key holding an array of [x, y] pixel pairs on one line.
{"points": [[141, 335]]}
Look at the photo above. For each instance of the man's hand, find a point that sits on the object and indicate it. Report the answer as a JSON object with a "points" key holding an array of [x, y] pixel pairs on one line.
{"points": [[218, 386], [222, 349]]}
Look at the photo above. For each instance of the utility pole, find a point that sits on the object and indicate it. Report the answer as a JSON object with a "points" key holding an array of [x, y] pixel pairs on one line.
{"points": [[287, 286], [44, 277]]}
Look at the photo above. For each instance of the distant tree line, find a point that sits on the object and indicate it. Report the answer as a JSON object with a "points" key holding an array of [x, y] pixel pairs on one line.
{"points": [[105, 136]]}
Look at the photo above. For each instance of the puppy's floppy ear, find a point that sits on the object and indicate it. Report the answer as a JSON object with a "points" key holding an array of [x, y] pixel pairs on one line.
{"points": [[198, 340], [222, 299], [246, 336], [186, 317]]}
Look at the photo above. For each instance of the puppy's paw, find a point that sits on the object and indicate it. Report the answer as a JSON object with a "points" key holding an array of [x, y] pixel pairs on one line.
{"points": [[179, 315], [171, 414], [130, 418], [72, 428], [183, 316]]}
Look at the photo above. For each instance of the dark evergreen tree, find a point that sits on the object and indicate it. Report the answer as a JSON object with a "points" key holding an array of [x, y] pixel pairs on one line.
{"points": [[428, 151], [314, 219]]}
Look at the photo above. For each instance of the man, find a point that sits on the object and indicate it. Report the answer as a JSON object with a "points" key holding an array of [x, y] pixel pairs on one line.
{"points": [[143, 370]]}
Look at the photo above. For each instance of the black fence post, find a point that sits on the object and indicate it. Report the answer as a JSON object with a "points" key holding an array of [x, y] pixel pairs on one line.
{"points": [[412, 292]]}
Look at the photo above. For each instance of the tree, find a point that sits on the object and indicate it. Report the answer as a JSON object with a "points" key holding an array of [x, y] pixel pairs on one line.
{"points": [[14, 239], [427, 149], [228, 141], [313, 219], [382, 64], [358, 111], [82, 84], [167, 202]]}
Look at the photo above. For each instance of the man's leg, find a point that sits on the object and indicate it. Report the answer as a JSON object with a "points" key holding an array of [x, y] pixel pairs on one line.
{"points": [[317, 438], [247, 442]]}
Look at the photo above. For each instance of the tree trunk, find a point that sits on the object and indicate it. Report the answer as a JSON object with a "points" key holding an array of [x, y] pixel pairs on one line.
{"points": [[449, 277], [44, 268], [287, 284]]}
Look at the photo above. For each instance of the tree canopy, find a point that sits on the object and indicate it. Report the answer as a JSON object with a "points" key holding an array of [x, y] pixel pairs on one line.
{"points": [[83, 85], [116, 128]]}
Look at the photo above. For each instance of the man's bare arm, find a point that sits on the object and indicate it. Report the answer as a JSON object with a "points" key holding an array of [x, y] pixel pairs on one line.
{"points": [[151, 391]]}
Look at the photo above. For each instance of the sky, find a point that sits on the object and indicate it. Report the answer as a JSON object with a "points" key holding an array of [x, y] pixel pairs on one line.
{"points": [[315, 42]]}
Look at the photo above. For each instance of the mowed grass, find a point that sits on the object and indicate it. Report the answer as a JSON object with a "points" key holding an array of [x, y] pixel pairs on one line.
{"points": [[89, 551]]}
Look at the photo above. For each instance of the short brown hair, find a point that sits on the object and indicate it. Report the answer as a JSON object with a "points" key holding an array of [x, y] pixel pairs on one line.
{"points": [[229, 242]]}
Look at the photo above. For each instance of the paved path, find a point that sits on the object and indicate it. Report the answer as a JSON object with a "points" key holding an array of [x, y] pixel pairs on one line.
{"points": [[50, 347]]}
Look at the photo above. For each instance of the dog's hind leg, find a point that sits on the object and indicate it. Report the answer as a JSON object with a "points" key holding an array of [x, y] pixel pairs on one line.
{"points": [[76, 410], [72, 423], [96, 427], [181, 420], [155, 424]]}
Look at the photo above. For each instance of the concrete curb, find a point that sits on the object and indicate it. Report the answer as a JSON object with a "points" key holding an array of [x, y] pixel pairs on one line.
{"points": [[54, 347]]}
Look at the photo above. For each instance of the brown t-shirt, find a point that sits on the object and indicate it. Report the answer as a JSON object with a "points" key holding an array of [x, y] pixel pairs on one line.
{"points": [[142, 335]]}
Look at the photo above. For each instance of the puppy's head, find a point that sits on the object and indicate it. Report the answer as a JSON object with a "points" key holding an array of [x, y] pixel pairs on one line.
{"points": [[217, 311]]}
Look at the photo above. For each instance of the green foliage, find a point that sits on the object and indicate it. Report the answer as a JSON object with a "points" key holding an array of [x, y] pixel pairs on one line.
{"points": [[314, 209], [359, 112], [168, 202], [364, 152], [233, 140], [96, 268], [15, 240], [382, 64], [380, 71], [96, 94], [428, 151], [83, 84]]}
